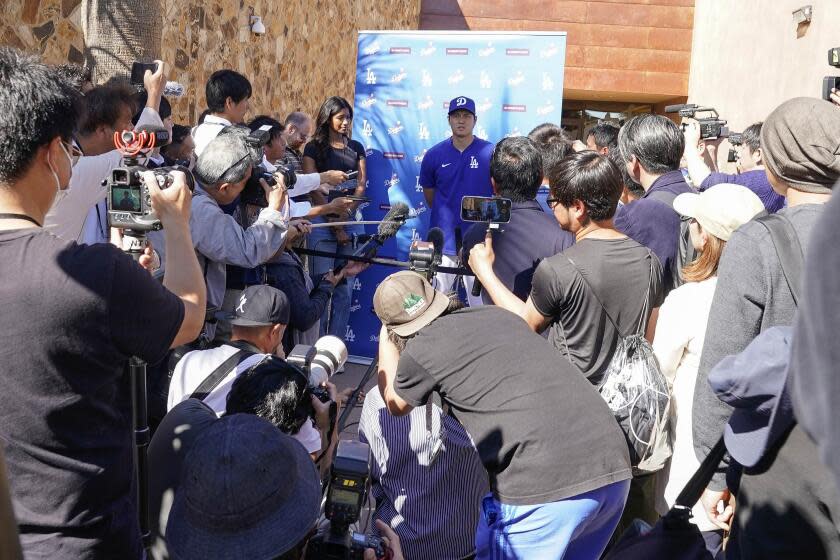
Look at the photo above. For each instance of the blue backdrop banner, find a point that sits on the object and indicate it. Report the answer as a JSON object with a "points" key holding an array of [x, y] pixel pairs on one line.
{"points": [[404, 82]]}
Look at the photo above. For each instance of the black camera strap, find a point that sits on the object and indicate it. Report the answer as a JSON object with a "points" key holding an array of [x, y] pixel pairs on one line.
{"points": [[212, 381]]}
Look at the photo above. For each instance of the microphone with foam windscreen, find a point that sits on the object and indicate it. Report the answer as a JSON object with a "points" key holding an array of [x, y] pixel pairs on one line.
{"points": [[389, 227], [437, 239]]}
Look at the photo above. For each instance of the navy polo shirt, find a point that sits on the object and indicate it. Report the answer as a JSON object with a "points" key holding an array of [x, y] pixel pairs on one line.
{"points": [[756, 181], [529, 237], [453, 175], [654, 223]]}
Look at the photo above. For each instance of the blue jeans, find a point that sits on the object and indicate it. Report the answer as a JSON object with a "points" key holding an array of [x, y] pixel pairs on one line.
{"points": [[337, 314], [577, 528]]}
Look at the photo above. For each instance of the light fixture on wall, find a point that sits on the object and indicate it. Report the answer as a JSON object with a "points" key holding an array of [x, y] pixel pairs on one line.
{"points": [[255, 23], [803, 15]]}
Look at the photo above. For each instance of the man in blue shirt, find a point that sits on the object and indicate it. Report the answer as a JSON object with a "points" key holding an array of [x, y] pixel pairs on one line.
{"points": [[652, 146], [751, 172], [532, 235], [457, 167]]}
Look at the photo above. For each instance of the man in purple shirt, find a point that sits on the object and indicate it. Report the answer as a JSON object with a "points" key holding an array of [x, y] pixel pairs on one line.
{"points": [[457, 167], [750, 165], [652, 146]]}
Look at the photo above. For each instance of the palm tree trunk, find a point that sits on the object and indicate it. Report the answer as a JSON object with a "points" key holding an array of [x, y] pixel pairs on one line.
{"points": [[119, 32]]}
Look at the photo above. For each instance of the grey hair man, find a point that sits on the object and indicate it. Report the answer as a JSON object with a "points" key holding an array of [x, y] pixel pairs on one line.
{"points": [[652, 147], [222, 170]]}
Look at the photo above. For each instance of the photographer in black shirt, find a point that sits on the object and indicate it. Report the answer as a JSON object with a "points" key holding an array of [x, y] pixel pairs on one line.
{"points": [[72, 316]]}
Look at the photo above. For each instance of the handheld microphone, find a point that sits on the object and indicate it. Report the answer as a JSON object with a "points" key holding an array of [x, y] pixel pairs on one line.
{"points": [[389, 227]]}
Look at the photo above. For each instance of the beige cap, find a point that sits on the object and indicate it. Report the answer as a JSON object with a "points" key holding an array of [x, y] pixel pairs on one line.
{"points": [[721, 209], [405, 302]]}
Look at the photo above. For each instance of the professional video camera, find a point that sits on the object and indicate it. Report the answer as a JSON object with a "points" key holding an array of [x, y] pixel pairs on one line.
{"points": [[319, 362], [711, 127], [346, 495], [831, 82], [253, 192], [129, 201]]}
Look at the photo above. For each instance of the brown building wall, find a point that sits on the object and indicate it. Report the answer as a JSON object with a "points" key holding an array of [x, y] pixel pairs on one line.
{"points": [[617, 50], [308, 54]]}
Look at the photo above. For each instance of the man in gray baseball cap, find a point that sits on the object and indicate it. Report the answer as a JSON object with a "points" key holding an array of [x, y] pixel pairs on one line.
{"points": [[801, 149]]}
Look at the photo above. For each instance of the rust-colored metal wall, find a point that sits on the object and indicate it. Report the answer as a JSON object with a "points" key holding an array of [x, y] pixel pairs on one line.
{"points": [[617, 50]]}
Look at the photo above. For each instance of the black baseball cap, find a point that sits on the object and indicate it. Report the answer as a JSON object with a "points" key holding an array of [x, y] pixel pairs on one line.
{"points": [[259, 306]]}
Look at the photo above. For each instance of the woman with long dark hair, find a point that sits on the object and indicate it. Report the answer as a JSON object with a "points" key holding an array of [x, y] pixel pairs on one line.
{"points": [[332, 148]]}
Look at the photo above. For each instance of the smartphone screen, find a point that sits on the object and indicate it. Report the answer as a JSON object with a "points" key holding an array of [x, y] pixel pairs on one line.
{"points": [[138, 71], [485, 209]]}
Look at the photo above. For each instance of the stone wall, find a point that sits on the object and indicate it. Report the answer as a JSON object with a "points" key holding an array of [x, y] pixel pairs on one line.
{"points": [[308, 53]]}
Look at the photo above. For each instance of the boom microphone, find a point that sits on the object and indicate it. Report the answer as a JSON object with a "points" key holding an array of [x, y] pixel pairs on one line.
{"points": [[389, 227]]}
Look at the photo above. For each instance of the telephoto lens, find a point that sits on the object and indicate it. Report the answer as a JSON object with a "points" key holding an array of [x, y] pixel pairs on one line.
{"points": [[330, 355]]}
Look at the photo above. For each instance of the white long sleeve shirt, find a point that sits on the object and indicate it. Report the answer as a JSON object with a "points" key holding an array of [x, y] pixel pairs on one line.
{"points": [[678, 344]]}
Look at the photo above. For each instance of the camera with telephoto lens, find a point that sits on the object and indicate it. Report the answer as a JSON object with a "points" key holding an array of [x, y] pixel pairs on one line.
{"points": [[346, 496], [711, 127], [319, 362], [129, 200], [253, 192]]}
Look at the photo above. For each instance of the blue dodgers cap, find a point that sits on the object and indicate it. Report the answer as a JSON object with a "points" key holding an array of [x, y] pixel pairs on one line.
{"points": [[754, 384], [460, 103]]}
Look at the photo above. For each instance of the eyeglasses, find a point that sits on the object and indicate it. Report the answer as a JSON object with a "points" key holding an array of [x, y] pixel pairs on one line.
{"points": [[552, 202]]}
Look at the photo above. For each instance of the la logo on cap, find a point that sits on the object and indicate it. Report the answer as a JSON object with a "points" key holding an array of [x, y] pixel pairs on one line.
{"points": [[413, 303]]}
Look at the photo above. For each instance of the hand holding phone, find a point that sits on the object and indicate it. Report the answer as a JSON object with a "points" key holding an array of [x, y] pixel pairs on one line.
{"points": [[352, 175]]}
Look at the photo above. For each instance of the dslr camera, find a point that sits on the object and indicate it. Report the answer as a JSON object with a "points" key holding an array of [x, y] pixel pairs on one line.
{"points": [[253, 192], [129, 201], [711, 126], [346, 496]]}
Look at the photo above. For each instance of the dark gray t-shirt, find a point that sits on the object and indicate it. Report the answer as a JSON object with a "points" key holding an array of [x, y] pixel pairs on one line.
{"points": [[618, 273], [542, 431]]}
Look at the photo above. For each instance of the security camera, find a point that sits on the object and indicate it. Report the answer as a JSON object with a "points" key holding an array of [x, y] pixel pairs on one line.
{"points": [[257, 27]]}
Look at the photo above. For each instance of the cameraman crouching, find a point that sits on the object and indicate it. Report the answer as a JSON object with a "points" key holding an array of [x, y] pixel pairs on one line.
{"points": [[72, 316], [222, 169]]}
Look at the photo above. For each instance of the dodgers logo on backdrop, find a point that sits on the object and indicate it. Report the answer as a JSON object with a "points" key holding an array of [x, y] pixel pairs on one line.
{"points": [[484, 106], [399, 76], [426, 103], [367, 129], [419, 157], [369, 101], [392, 182], [371, 77], [546, 109], [428, 51], [414, 235], [547, 82], [513, 133], [455, 77], [357, 284], [484, 81], [417, 187], [550, 51], [481, 133], [487, 51], [349, 335], [423, 132], [425, 78], [516, 80], [374, 338], [373, 48], [355, 307], [396, 129]]}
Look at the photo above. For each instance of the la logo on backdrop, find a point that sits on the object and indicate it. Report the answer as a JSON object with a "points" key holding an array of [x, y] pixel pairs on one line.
{"points": [[404, 83]]}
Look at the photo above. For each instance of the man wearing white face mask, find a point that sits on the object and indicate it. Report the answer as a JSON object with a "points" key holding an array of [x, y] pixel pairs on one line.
{"points": [[108, 109], [72, 316]]}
